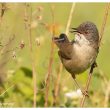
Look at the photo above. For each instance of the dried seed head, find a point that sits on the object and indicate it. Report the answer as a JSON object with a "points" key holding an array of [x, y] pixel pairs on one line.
{"points": [[39, 17], [37, 40], [39, 8], [14, 54], [25, 19], [34, 24], [22, 44]]}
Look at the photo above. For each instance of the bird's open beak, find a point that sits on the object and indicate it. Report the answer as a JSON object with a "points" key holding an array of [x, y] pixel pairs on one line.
{"points": [[56, 39], [74, 30]]}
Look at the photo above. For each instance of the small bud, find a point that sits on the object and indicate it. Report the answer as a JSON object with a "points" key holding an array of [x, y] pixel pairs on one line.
{"points": [[22, 44], [14, 54], [34, 24], [37, 41], [39, 8], [25, 19], [39, 18]]}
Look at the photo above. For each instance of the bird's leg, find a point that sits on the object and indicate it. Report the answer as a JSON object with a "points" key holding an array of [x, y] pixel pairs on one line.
{"points": [[78, 86], [90, 75]]}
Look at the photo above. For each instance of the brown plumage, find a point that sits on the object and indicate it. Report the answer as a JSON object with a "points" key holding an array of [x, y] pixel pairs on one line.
{"points": [[79, 54]]}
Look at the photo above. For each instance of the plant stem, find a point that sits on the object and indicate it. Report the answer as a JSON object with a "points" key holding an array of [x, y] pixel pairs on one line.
{"points": [[50, 61], [61, 66], [56, 89], [104, 21], [29, 20], [70, 18], [49, 74], [87, 85]]}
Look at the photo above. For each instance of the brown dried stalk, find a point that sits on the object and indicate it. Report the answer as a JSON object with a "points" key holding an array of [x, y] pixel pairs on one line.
{"points": [[50, 61], [2, 9], [28, 23], [92, 67], [56, 89], [60, 67], [70, 18], [87, 85], [104, 22], [107, 94]]}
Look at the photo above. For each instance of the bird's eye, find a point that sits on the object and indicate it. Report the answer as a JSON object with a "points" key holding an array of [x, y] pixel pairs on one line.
{"points": [[86, 32]]}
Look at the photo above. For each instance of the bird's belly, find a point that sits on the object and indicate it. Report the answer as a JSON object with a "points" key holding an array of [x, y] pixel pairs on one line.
{"points": [[81, 60]]}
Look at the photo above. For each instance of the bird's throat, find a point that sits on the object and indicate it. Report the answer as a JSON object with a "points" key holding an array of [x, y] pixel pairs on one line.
{"points": [[80, 39]]}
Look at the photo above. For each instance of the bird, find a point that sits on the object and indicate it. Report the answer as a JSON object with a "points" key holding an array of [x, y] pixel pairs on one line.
{"points": [[80, 53]]}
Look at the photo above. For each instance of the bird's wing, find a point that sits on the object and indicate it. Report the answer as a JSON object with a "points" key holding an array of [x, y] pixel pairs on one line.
{"points": [[63, 56], [66, 50]]}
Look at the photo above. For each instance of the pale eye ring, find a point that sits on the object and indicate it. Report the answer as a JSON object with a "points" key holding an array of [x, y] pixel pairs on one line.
{"points": [[79, 36]]}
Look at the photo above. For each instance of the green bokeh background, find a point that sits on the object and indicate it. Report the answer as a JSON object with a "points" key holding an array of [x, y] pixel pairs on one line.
{"points": [[18, 71]]}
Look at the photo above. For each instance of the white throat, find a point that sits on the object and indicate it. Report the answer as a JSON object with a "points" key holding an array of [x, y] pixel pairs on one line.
{"points": [[81, 40]]}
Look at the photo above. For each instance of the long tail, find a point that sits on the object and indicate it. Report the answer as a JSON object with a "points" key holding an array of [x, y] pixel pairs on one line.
{"points": [[64, 45], [61, 40]]}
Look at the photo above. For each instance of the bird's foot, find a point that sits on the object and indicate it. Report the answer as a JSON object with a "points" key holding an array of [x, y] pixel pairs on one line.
{"points": [[85, 93], [95, 64]]}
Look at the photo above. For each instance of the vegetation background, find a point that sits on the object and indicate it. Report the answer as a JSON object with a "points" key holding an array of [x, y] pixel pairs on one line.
{"points": [[30, 71]]}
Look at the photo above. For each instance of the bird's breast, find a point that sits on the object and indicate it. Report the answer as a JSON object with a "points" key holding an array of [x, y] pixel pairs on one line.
{"points": [[83, 56]]}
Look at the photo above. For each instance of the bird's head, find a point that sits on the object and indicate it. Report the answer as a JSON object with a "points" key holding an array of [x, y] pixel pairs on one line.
{"points": [[86, 31]]}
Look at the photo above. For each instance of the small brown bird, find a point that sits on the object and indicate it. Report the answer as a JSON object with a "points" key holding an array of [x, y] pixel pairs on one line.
{"points": [[79, 54]]}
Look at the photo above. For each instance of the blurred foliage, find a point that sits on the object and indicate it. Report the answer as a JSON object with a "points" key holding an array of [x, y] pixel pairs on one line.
{"points": [[16, 80]]}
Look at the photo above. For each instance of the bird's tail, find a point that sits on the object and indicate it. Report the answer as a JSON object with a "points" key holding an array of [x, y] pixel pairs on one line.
{"points": [[64, 45], [61, 40]]}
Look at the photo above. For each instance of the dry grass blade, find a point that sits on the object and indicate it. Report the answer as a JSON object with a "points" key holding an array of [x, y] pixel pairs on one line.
{"points": [[49, 74], [28, 22], [101, 34], [70, 18], [60, 67], [6, 90]]}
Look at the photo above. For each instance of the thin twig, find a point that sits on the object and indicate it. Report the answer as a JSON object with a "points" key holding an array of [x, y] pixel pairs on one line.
{"points": [[101, 35], [50, 61], [60, 67], [104, 22], [7, 90], [56, 89], [87, 85], [70, 18], [107, 95], [6, 45], [3, 9], [31, 54]]}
